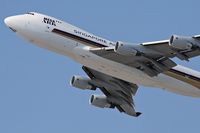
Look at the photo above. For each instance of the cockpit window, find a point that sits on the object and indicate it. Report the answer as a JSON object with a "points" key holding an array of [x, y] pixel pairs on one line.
{"points": [[30, 13]]}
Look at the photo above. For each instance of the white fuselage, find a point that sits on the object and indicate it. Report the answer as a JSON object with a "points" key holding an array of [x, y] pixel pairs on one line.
{"points": [[34, 28]]}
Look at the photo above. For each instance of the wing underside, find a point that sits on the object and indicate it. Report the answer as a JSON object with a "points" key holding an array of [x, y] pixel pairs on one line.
{"points": [[118, 92], [152, 65]]}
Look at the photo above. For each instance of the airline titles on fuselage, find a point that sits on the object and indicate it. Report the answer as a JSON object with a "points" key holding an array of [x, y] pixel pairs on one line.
{"points": [[52, 22], [90, 36], [49, 21]]}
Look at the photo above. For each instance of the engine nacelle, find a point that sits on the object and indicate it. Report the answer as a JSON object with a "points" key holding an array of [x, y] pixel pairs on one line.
{"points": [[125, 49], [183, 43], [82, 83], [100, 101]]}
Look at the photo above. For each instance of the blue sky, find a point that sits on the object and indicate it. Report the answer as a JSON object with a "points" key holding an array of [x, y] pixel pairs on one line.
{"points": [[35, 95]]}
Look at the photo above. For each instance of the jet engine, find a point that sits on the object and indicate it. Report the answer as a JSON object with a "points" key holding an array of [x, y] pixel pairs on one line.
{"points": [[100, 101], [125, 49], [82, 83], [183, 43]]}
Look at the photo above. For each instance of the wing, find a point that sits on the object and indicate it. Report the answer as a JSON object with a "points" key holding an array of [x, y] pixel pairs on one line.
{"points": [[152, 58], [118, 92], [168, 51]]}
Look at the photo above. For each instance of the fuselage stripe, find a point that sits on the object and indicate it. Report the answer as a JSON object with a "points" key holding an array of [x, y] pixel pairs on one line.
{"points": [[185, 77], [78, 38]]}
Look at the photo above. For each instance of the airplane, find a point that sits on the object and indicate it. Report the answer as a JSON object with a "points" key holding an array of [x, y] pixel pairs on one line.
{"points": [[116, 68]]}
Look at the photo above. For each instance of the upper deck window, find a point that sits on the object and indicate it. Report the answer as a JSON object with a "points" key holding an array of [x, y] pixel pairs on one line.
{"points": [[30, 13]]}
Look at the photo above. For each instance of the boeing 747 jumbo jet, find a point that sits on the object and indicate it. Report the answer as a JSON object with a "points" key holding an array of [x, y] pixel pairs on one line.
{"points": [[116, 68]]}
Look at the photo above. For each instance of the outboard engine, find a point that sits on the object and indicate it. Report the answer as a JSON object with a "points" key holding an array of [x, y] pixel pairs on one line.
{"points": [[82, 83], [183, 43]]}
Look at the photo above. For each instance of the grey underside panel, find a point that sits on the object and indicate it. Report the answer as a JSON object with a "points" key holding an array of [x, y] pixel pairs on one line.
{"points": [[151, 65]]}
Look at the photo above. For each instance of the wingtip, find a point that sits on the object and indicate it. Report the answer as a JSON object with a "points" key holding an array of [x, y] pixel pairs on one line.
{"points": [[138, 114]]}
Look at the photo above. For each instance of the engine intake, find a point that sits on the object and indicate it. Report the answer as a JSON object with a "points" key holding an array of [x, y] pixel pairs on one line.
{"points": [[183, 43], [100, 101], [125, 49], [82, 83]]}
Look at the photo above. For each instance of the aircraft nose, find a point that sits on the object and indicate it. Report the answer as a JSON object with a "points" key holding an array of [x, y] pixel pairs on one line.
{"points": [[6, 21], [12, 23]]}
